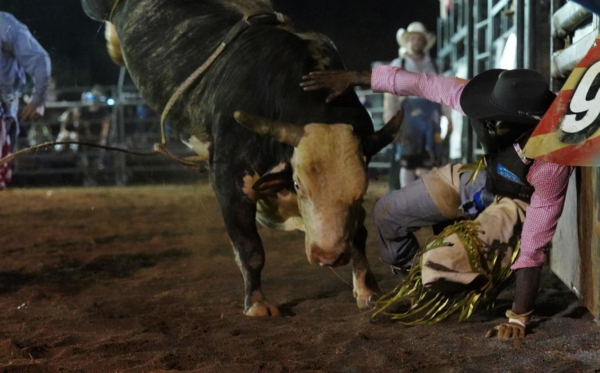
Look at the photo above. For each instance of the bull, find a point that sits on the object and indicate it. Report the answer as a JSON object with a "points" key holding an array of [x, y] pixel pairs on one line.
{"points": [[294, 163]]}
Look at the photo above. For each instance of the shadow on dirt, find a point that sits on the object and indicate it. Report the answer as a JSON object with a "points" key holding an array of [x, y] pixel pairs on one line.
{"points": [[134, 237], [287, 308], [72, 275]]}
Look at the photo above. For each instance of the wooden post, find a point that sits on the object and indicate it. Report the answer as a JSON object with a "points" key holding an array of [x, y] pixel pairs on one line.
{"points": [[589, 231]]}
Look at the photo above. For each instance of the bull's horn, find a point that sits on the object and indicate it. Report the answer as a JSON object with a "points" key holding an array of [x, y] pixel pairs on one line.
{"points": [[286, 133], [384, 136]]}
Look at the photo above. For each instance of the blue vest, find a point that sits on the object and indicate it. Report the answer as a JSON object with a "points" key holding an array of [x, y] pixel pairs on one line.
{"points": [[506, 170]]}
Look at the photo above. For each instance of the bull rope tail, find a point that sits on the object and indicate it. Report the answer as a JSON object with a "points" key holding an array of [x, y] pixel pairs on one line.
{"points": [[157, 151], [19, 153]]}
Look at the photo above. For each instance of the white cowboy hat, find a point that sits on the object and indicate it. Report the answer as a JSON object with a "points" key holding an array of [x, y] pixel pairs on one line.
{"points": [[402, 36]]}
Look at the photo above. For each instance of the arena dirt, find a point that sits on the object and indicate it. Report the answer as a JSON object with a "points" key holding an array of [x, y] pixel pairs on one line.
{"points": [[142, 279]]}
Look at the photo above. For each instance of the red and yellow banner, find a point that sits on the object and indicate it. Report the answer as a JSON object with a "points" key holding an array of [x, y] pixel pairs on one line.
{"points": [[569, 132]]}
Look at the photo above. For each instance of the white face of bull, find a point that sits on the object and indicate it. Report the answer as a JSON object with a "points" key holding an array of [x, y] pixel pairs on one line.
{"points": [[330, 178]]}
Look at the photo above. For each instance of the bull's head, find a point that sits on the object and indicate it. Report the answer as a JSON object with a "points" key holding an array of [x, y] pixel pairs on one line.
{"points": [[330, 179]]}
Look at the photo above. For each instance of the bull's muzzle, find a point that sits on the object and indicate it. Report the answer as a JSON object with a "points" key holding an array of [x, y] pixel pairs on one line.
{"points": [[328, 258]]}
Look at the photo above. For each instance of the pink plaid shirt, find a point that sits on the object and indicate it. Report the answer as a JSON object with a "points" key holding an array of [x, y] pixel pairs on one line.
{"points": [[549, 180]]}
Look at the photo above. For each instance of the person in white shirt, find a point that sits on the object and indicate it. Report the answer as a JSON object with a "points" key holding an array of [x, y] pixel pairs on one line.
{"points": [[419, 142]]}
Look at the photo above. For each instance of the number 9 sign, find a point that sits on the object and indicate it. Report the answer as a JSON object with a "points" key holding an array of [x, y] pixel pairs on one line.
{"points": [[569, 132], [583, 116]]}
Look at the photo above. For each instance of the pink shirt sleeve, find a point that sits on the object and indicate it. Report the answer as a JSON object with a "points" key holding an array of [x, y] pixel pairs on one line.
{"points": [[436, 88], [550, 182]]}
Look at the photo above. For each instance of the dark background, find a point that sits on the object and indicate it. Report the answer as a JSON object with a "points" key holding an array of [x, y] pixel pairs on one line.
{"points": [[363, 31]]}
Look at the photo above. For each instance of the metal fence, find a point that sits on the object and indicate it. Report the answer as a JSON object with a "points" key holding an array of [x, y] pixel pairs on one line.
{"points": [[477, 35], [373, 102], [133, 126]]}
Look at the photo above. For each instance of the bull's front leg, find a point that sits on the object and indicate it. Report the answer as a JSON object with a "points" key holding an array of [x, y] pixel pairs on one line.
{"points": [[239, 214], [365, 284]]}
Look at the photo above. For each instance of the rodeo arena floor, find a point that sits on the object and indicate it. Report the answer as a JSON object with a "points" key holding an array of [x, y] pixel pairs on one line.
{"points": [[143, 279]]}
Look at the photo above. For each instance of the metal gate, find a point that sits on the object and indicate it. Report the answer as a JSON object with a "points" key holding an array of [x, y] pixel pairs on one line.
{"points": [[477, 35], [133, 126]]}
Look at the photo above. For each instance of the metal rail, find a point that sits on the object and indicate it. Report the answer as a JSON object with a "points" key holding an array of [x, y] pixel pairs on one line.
{"points": [[127, 130], [472, 38]]}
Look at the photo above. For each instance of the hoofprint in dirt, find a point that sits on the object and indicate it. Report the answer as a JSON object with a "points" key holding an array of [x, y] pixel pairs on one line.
{"points": [[143, 279]]}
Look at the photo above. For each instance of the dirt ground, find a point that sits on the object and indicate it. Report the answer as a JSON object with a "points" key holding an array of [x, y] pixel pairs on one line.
{"points": [[142, 279]]}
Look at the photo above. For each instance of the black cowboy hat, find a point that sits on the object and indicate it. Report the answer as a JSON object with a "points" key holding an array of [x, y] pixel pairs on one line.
{"points": [[516, 96]]}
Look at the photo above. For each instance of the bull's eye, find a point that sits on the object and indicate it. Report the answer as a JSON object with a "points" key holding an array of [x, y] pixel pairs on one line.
{"points": [[298, 190]]}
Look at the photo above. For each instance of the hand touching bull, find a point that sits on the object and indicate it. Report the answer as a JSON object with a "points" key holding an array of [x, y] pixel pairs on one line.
{"points": [[337, 80]]}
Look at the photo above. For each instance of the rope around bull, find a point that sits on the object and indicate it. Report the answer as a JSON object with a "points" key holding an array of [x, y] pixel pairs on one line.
{"points": [[160, 148]]}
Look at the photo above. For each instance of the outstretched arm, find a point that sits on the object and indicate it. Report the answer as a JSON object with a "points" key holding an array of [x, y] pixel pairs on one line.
{"points": [[337, 80], [436, 88], [390, 79]]}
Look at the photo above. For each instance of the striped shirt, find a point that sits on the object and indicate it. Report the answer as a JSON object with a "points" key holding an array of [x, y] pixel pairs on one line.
{"points": [[549, 180]]}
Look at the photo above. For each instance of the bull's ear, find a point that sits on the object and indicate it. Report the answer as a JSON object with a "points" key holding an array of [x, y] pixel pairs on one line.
{"points": [[286, 133], [274, 181], [384, 136]]}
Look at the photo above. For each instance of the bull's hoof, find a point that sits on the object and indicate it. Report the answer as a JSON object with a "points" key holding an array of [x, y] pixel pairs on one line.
{"points": [[363, 303], [366, 301], [262, 309], [372, 300]]}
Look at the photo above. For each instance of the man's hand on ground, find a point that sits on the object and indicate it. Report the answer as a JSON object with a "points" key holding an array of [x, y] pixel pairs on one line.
{"points": [[514, 328], [507, 331]]}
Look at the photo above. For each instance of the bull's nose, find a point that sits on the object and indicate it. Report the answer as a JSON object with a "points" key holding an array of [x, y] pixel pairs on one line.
{"points": [[328, 259], [343, 259], [326, 262]]}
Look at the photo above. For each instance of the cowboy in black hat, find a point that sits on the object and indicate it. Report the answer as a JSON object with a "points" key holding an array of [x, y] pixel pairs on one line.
{"points": [[507, 195]]}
